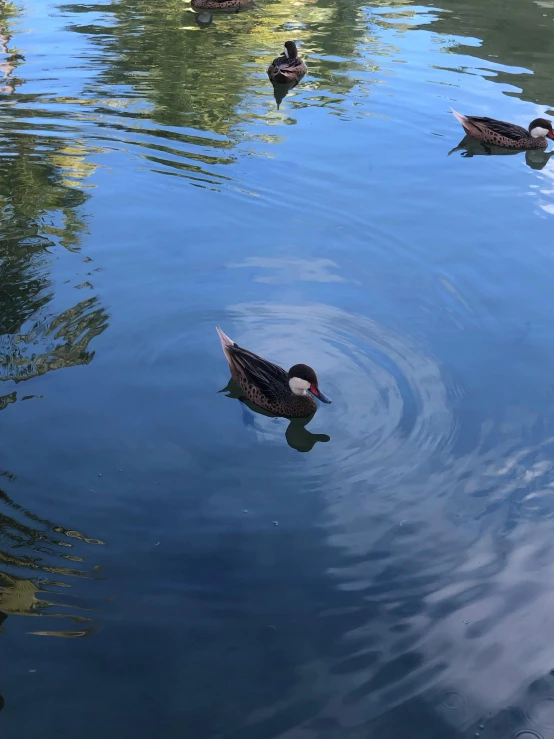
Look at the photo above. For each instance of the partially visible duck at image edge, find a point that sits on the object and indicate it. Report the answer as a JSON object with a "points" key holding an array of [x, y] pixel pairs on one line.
{"points": [[288, 67], [287, 394], [507, 135]]}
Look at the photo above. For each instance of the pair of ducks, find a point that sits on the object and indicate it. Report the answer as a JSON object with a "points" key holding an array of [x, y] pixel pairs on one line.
{"points": [[291, 394], [289, 68]]}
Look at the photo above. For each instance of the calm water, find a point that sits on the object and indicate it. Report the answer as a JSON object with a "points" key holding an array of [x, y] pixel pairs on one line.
{"points": [[172, 565]]}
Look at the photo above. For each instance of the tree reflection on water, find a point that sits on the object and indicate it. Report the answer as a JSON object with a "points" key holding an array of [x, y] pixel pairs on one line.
{"points": [[41, 215]]}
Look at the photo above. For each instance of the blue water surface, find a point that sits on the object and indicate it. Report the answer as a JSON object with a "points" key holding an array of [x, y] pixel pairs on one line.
{"points": [[174, 565]]}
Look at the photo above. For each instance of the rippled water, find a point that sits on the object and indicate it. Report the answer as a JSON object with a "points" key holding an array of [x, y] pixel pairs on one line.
{"points": [[381, 571]]}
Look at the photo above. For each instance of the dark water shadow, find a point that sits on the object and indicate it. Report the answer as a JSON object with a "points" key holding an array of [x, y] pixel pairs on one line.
{"points": [[281, 91], [297, 435], [204, 19], [469, 147]]}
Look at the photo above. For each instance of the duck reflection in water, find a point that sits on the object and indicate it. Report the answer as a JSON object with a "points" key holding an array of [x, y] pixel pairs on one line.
{"points": [[534, 158], [204, 19], [269, 390], [297, 435], [280, 92]]}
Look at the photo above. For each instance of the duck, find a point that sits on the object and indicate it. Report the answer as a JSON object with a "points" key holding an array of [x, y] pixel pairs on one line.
{"points": [[507, 135], [288, 67], [285, 394]]}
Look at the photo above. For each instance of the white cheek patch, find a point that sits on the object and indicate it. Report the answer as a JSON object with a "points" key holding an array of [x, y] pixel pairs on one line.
{"points": [[286, 52], [538, 132], [298, 386]]}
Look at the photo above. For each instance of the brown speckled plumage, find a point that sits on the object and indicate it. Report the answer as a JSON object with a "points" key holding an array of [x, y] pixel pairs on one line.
{"points": [[266, 384], [220, 4], [501, 133]]}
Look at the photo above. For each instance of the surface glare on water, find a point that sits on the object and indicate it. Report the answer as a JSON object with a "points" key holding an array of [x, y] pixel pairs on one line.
{"points": [[382, 571]]}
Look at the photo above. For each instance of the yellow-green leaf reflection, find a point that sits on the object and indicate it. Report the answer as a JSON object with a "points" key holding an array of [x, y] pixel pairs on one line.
{"points": [[34, 581]]}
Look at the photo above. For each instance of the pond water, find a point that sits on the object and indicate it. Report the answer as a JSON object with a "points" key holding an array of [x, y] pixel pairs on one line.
{"points": [[173, 565]]}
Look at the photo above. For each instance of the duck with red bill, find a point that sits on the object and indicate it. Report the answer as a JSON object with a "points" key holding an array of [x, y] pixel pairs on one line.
{"points": [[286, 394]]}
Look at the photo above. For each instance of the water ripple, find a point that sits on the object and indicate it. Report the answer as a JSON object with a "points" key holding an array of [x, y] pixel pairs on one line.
{"points": [[390, 412]]}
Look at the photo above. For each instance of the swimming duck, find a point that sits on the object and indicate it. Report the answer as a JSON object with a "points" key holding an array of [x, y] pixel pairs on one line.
{"points": [[288, 67], [269, 386], [507, 135]]}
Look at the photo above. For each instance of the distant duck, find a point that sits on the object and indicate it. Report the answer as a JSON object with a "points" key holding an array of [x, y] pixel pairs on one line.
{"points": [[288, 67], [287, 394], [507, 135]]}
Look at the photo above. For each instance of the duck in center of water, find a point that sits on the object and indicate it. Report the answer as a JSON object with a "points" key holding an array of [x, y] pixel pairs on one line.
{"points": [[287, 394], [507, 135], [287, 68]]}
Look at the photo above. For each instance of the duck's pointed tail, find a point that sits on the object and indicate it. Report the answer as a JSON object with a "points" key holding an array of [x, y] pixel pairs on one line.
{"points": [[463, 120], [226, 342], [470, 126]]}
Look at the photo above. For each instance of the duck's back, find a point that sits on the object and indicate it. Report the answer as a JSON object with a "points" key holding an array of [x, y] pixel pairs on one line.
{"points": [[285, 70]]}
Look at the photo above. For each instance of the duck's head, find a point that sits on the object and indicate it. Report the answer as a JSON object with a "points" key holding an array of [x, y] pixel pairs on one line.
{"points": [[290, 51], [541, 128], [302, 380]]}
